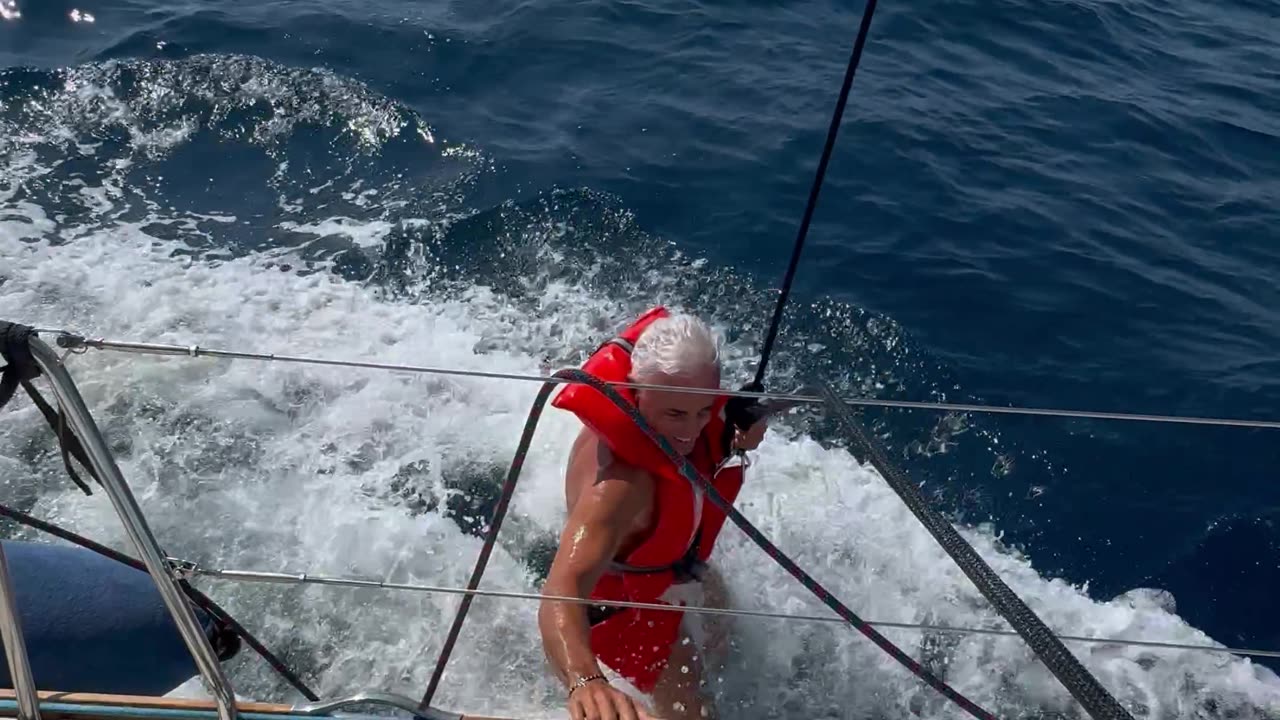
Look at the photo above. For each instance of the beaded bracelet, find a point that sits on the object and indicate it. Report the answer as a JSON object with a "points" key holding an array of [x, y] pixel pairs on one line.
{"points": [[584, 680]]}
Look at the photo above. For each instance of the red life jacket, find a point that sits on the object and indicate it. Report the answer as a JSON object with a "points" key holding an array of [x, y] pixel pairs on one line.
{"points": [[637, 642]]}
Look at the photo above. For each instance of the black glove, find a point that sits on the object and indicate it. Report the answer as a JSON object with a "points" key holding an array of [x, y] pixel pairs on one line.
{"points": [[741, 413]]}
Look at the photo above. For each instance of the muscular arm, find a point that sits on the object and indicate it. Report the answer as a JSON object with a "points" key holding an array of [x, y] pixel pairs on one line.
{"points": [[601, 519]]}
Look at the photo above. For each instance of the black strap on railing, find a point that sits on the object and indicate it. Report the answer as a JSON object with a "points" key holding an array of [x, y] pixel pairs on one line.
{"points": [[68, 443], [19, 370], [1079, 682], [19, 366], [691, 474]]}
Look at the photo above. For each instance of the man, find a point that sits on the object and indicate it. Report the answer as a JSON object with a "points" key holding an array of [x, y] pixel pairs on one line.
{"points": [[637, 529]]}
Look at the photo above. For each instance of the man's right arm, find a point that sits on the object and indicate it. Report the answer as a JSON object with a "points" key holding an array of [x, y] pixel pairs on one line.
{"points": [[596, 527]]}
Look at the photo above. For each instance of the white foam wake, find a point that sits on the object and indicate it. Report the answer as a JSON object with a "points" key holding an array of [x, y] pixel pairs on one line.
{"points": [[299, 468]]}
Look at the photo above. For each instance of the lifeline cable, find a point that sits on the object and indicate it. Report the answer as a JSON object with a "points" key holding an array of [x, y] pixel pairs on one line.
{"points": [[690, 473], [199, 598], [854, 58], [73, 341], [293, 578], [1066, 667]]}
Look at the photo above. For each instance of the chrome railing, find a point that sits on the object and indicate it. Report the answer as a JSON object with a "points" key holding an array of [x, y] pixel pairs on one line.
{"points": [[381, 699], [162, 570], [15, 648], [126, 506]]}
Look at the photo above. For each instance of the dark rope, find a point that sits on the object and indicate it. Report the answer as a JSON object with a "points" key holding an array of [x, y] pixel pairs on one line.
{"points": [[691, 474], [197, 597], [856, 57], [1082, 685], [1079, 682], [491, 537]]}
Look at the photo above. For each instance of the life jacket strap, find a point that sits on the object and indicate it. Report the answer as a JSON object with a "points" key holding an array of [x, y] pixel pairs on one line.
{"points": [[687, 568]]}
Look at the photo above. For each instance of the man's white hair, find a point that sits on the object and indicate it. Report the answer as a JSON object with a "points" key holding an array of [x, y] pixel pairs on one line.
{"points": [[677, 346]]}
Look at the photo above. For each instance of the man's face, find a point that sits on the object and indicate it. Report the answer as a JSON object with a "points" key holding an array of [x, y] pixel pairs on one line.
{"points": [[679, 416]]}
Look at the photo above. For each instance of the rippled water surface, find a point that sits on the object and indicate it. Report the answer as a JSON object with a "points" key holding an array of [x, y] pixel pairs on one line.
{"points": [[1059, 204]]}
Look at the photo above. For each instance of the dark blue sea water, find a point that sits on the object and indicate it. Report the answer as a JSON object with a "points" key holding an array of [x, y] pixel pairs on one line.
{"points": [[1064, 204]]}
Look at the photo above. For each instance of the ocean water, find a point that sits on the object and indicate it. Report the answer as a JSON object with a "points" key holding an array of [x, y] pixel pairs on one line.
{"points": [[1058, 204]]}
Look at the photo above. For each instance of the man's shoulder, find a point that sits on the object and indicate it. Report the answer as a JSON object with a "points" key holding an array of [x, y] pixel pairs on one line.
{"points": [[604, 464], [601, 484]]}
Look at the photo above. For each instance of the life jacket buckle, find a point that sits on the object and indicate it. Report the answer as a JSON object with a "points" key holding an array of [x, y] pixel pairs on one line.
{"points": [[687, 571], [738, 454]]}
